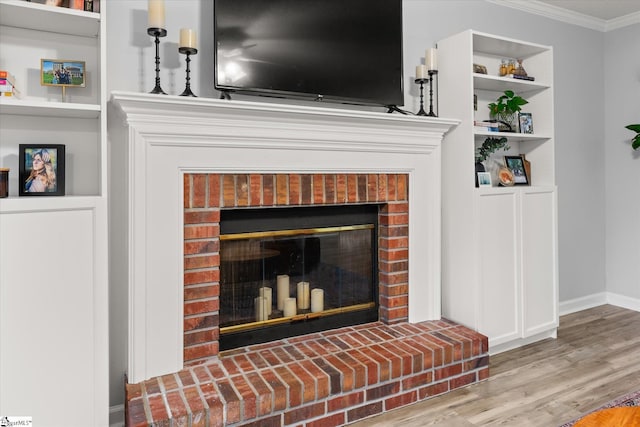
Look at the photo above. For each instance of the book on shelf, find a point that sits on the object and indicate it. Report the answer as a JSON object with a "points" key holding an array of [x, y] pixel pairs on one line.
{"points": [[76, 4], [15, 93], [519, 77], [7, 77]]}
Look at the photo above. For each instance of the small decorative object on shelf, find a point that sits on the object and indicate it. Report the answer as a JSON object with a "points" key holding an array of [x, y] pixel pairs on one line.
{"points": [[62, 73], [526, 122], [506, 107], [488, 147], [517, 167], [505, 176], [8, 85], [431, 61], [519, 71], [42, 169], [484, 179], [479, 69], [157, 30], [188, 48], [421, 82], [4, 182]]}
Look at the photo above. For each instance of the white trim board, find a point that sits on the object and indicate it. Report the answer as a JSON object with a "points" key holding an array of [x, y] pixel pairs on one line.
{"points": [[568, 16], [595, 300]]}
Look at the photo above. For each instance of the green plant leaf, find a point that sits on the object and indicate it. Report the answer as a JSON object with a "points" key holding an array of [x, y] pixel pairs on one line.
{"points": [[635, 128], [636, 142]]}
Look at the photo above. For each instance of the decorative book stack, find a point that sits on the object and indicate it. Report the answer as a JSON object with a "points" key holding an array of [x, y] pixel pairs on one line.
{"points": [[8, 85]]}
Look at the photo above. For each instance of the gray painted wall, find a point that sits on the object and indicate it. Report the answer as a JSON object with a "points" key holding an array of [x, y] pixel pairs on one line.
{"points": [[598, 239]]}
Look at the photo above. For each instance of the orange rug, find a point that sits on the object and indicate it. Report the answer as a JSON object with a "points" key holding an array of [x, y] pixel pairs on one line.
{"points": [[623, 411]]}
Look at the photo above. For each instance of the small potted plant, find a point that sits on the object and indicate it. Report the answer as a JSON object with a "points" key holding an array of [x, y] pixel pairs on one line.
{"points": [[506, 108], [488, 147], [635, 142]]}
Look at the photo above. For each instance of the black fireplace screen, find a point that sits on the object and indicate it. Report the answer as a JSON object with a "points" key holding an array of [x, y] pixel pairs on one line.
{"points": [[311, 269]]}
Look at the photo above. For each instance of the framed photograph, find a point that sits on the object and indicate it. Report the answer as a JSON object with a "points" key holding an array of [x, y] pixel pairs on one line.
{"points": [[525, 122], [41, 169], [516, 166], [484, 179], [65, 73]]}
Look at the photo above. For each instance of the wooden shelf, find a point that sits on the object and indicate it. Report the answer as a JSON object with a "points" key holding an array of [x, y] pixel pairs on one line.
{"points": [[34, 16]]}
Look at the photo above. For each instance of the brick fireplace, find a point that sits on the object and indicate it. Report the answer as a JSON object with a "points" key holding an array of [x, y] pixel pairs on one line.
{"points": [[207, 194], [180, 162]]}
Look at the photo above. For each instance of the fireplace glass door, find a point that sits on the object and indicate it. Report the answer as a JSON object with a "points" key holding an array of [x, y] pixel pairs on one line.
{"points": [[302, 276]]}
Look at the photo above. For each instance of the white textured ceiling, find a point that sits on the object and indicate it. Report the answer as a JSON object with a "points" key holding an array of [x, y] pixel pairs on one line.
{"points": [[601, 9]]}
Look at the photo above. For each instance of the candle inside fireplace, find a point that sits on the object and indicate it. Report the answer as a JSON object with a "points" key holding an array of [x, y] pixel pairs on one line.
{"points": [[267, 293], [261, 309], [317, 300], [290, 307], [303, 295], [282, 289]]}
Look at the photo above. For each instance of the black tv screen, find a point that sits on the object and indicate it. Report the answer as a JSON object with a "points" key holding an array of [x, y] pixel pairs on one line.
{"points": [[340, 50]]}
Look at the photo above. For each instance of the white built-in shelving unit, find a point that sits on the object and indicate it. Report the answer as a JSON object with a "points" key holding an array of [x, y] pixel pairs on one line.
{"points": [[500, 270], [53, 249]]}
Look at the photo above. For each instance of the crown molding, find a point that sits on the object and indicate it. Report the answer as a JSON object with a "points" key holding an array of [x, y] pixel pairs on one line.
{"points": [[567, 16]]}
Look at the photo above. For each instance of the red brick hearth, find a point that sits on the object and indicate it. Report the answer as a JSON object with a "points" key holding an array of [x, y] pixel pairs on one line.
{"points": [[320, 380], [324, 379]]}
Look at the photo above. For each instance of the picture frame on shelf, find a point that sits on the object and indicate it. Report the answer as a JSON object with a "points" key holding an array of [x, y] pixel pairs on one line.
{"points": [[41, 169], [525, 122], [62, 73], [484, 179], [517, 166]]}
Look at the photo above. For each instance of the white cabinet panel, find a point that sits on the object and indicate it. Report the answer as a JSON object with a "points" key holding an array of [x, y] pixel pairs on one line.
{"points": [[47, 274], [539, 270]]}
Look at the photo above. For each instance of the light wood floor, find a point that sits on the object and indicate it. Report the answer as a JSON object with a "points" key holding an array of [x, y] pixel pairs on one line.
{"points": [[595, 358]]}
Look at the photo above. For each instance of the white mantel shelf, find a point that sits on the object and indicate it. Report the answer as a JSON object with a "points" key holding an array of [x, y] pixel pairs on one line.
{"points": [[156, 139]]}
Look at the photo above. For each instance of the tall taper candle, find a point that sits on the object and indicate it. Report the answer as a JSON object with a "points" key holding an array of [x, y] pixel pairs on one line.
{"points": [[317, 300], [188, 38], [289, 307], [283, 289], [156, 14], [431, 59], [303, 295]]}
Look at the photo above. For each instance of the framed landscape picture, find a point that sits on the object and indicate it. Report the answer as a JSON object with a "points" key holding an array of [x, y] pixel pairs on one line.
{"points": [[65, 73], [41, 169]]}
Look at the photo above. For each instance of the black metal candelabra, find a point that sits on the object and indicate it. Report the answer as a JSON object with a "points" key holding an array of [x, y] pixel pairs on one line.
{"points": [[421, 82], [188, 51], [431, 73], [157, 33]]}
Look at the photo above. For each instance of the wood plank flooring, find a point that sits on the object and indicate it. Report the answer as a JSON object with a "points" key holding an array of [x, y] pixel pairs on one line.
{"points": [[595, 358]]}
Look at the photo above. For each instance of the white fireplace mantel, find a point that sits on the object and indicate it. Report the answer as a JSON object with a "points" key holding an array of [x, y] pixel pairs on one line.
{"points": [[156, 139]]}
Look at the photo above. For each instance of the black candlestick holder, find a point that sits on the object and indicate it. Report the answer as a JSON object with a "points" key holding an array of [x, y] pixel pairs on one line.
{"points": [[421, 82], [431, 73], [157, 33], [188, 51]]}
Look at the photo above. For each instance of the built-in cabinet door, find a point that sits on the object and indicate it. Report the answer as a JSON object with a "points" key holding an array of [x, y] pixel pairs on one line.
{"points": [[498, 245], [539, 261]]}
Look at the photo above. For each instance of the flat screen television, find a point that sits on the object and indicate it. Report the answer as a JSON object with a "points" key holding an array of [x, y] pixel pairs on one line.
{"points": [[347, 51]]}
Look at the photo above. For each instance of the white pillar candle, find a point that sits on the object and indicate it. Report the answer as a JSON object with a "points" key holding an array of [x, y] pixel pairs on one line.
{"points": [[283, 290], [187, 38], [317, 300], [303, 295], [421, 72], [267, 293], [289, 307], [261, 309], [431, 59], [156, 14]]}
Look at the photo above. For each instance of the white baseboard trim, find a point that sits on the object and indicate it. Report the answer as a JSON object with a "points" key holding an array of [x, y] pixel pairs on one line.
{"points": [[582, 303], [116, 416], [595, 300]]}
